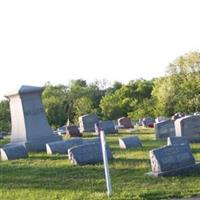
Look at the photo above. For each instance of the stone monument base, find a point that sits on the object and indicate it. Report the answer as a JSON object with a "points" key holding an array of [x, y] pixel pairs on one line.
{"points": [[37, 144], [176, 172]]}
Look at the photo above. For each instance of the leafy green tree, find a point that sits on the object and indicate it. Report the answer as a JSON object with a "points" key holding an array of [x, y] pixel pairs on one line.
{"points": [[5, 123]]}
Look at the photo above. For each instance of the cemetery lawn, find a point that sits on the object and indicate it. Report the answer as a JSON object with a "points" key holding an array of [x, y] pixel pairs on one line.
{"points": [[43, 176]]}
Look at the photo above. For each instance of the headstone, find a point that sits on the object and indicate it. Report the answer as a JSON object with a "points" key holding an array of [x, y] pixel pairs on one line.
{"points": [[148, 122], [164, 129], [107, 126], [73, 131], [29, 123], [13, 152], [129, 142], [62, 147], [176, 140], [172, 160], [1, 135], [188, 127], [125, 122], [88, 154], [87, 122]]}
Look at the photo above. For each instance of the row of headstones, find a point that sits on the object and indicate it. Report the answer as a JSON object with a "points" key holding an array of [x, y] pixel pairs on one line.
{"points": [[80, 151], [188, 126], [174, 159], [91, 123]]}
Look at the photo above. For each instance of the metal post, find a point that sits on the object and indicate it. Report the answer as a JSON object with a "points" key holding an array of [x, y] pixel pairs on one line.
{"points": [[105, 160]]}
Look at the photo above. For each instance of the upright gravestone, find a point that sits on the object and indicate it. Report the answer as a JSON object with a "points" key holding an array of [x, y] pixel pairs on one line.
{"points": [[164, 129], [188, 127], [87, 122], [172, 160], [125, 122], [73, 131], [107, 126], [129, 142], [29, 123], [88, 154], [148, 122]]}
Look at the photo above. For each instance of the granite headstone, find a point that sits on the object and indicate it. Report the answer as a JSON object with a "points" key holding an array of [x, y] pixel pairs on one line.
{"points": [[88, 154], [176, 140], [164, 129], [172, 160], [29, 123], [107, 126], [129, 142], [13, 152], [125, 122], [188, 127], [87, 122], [73, 131]]}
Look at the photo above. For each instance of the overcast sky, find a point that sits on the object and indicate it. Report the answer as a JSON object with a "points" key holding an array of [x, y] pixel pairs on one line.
{"points": [[58, 41]]}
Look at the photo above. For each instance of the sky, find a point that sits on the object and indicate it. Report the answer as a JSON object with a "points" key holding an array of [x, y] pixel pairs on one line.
{"points": [[57, 41]]}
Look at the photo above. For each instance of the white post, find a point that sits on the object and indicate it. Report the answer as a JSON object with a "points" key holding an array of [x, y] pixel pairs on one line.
{"points": [[105, 160]]}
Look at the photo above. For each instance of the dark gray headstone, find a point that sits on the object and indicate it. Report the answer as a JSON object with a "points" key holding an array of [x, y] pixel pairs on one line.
{"points": [[176, 140], [164, 129], [125, 122], [172, 160], [188, 127], [87, 122], [73, 131], [129, 142], [108, 126], [148, 122], [62, 147], [30, 127], [13, 152], [88, 154]]}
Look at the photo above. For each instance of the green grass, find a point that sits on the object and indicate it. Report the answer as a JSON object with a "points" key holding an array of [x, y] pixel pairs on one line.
{"points": [[42, 176]]}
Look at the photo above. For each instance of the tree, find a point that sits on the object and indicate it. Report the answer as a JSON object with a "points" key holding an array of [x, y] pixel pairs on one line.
{"points": [[5, 124]]}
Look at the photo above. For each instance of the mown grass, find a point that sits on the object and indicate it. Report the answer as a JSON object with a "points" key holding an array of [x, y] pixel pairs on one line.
{"points": [[42, 176]]}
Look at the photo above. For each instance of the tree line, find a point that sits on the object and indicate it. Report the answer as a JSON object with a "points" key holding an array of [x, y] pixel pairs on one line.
{"points": [[177, 91]]}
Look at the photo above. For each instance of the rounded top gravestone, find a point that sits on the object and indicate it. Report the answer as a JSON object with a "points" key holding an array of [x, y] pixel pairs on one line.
{"points": [[29, 122]]}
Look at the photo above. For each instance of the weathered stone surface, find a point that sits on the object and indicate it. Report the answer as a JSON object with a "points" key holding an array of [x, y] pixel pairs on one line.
{"points": [[62, 147], [129, 142], [125, 122], [87, 122], [107, 126], [87, 154], [172, 160], [73, 131], [164, 129], [29, 123], [188, 127], [13, 152], [176, 140]]}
